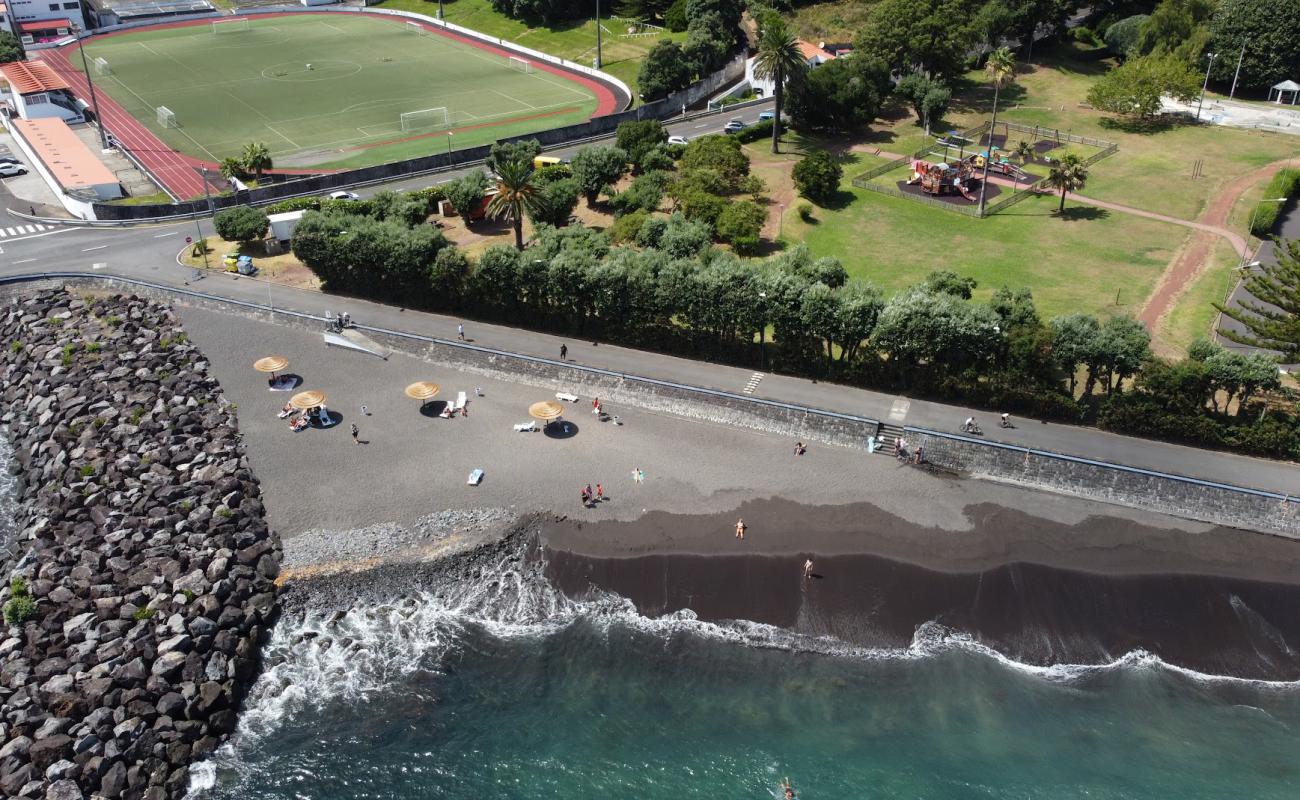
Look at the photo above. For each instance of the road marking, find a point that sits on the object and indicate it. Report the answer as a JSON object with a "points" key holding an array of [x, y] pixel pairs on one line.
{"points": [[98, 265], [96, 247], [25, 261], [46, 233], [753, 382], [161, 235], [898, 411], [705, 125], [18, 230]]}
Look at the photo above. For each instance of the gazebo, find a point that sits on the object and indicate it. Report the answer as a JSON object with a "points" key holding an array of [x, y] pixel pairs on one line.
{"points": [[1282, 88]]}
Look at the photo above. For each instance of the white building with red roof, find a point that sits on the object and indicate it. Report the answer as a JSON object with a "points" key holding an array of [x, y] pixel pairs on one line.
{"points": [[38, 92]]}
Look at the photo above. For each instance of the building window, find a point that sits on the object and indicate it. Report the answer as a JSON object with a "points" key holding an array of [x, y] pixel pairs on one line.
{"points": [[71, 6], [54, 6]]}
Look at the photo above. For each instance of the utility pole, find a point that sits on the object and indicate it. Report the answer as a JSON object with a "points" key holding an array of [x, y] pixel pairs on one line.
{"points": [[94, 103], [202, 242], [1201, 102], [1237, 74], [439, 10], [597, 34]]}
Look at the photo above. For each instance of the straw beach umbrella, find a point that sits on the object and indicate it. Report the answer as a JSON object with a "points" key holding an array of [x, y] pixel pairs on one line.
{"points": [[271, 364], [424, 391], [546, 411], [305, 400]]}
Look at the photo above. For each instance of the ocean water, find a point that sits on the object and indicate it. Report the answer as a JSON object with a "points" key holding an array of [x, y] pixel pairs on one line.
{"points": [[496, 686]]}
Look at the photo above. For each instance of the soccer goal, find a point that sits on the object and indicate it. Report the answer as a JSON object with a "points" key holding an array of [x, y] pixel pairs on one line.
{"points": [[426, 119], [229, 25], [521, 64], [416, 28], [102, 67], [166, 117]]}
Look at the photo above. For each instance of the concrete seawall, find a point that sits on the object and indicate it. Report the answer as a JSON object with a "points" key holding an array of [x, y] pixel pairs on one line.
{"points": [[1233, 506]]}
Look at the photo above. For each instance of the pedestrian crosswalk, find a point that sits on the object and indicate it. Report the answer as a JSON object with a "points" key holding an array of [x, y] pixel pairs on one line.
{"points": [[753, 382], [21, 230]]}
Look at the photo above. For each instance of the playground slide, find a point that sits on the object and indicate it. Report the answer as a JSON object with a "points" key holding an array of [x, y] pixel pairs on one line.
{"points": [[965, 192]]}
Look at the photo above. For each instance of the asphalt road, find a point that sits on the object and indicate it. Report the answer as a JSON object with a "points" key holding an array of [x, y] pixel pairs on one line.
{"points": [[149, 253]]}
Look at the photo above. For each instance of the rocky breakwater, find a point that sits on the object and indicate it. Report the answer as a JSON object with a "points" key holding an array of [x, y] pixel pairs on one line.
{"points": [[143, 578]]}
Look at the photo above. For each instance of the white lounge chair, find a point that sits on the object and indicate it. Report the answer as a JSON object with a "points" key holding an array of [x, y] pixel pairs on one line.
{"points": [[461, 400], [475, 478], [526, 427], [566, 397]]}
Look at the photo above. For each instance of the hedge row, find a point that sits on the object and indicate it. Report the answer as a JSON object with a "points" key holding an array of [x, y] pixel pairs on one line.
{"points": [[1286, 183], [431, 195]]}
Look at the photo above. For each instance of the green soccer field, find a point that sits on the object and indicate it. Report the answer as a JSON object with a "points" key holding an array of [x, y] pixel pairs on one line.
{"points": [[327, 91]]}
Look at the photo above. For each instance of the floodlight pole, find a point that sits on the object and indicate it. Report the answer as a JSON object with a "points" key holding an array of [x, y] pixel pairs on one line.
{"points": [[94, 103], [1201, 102], [202, 242], [597, 34], [439, 9], [1237, 74]]}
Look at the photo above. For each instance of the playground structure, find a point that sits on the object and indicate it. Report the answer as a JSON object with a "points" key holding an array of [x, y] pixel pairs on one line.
{"points": [[948, 172], [938, 179]]}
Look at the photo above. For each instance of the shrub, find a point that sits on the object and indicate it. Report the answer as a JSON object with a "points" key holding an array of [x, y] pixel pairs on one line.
{"points": [[1122, 36], [817, 176], [19, 609], [806, 212], [241, 224], [1286, 183], [756, 132], [294, 204], [675, 16], [740, 223], [627, 227]]}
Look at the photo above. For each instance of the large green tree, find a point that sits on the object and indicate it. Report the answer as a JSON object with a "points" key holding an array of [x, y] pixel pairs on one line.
{"points": [[1270, 30], [1134, 88], [841, 95], [1271, 316], [256, 158], [466, 193], [927, 97], [817, 176], [524, 150], [1176, 27], [930, 36], [240, 224], [664, 71], [597, 168], [778, 61], [515, 196], [639, 137], [11, 49]]}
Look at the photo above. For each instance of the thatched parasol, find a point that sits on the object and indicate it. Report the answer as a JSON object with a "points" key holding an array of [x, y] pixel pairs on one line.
{"points": [[424, 391], [271, 364], [304, 400], [546, 411]]}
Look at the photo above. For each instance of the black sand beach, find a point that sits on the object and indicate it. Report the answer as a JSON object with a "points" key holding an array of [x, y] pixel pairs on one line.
{"points": [[1220, 602]]}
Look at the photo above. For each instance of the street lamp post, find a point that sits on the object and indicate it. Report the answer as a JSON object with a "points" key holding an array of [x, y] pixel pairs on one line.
{"points": [[1250, 226], [94, 102], [1237, 74], [1201, 102], [597, 34], [439, 9], [449, 143]]}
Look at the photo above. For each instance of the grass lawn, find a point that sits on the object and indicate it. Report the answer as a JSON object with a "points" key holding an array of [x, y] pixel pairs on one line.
{"points": [[1089, 260], [1193, 315], [328, 91], [834, 21], [575, 40], [1152, 170]]}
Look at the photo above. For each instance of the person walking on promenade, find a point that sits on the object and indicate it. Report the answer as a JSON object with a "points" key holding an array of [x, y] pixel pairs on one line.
{"points": [[740, 528], [807, 569], [586, 497], [919, 457], [600, 493], [365, 412], [460, 331], [355, 434], [564, 352]]}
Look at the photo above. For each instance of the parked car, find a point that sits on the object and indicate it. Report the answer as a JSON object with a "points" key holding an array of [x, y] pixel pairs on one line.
{"points": [[344, 196], [735, 126], [10, 170], [764, 116], [9, 160], [676, 140]]}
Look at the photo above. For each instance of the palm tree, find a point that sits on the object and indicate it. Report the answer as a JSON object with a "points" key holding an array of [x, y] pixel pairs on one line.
{"points": [[232, 167], [256, 158], [1069, 175], [779, 61], [1024, 151], [1001, 68], [516, 194]]}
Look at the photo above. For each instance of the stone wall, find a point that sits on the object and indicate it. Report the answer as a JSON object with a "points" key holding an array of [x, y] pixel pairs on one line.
{"points": [[144, 568], [1237, 507]]}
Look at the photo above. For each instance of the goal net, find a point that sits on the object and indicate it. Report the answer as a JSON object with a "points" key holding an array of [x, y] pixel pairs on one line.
{"points": [[416, 28], [102, 67], [426, 119], [166, 117], [521, 64], [229, 25]]}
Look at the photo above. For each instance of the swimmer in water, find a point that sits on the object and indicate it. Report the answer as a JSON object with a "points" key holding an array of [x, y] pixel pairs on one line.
{"points": [[789, 790]]}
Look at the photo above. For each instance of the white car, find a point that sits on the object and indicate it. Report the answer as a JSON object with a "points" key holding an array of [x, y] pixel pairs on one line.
{"points": [[344, 196], [8, 170], [676, 140]]}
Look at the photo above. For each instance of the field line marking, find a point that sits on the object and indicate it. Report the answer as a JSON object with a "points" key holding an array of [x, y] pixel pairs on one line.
{"points": [[291, 142], [332, 27], [514, 99]]}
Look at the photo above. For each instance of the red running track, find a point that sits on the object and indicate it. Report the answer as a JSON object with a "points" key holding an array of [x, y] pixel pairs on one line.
{"points": [[178, 174]]}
